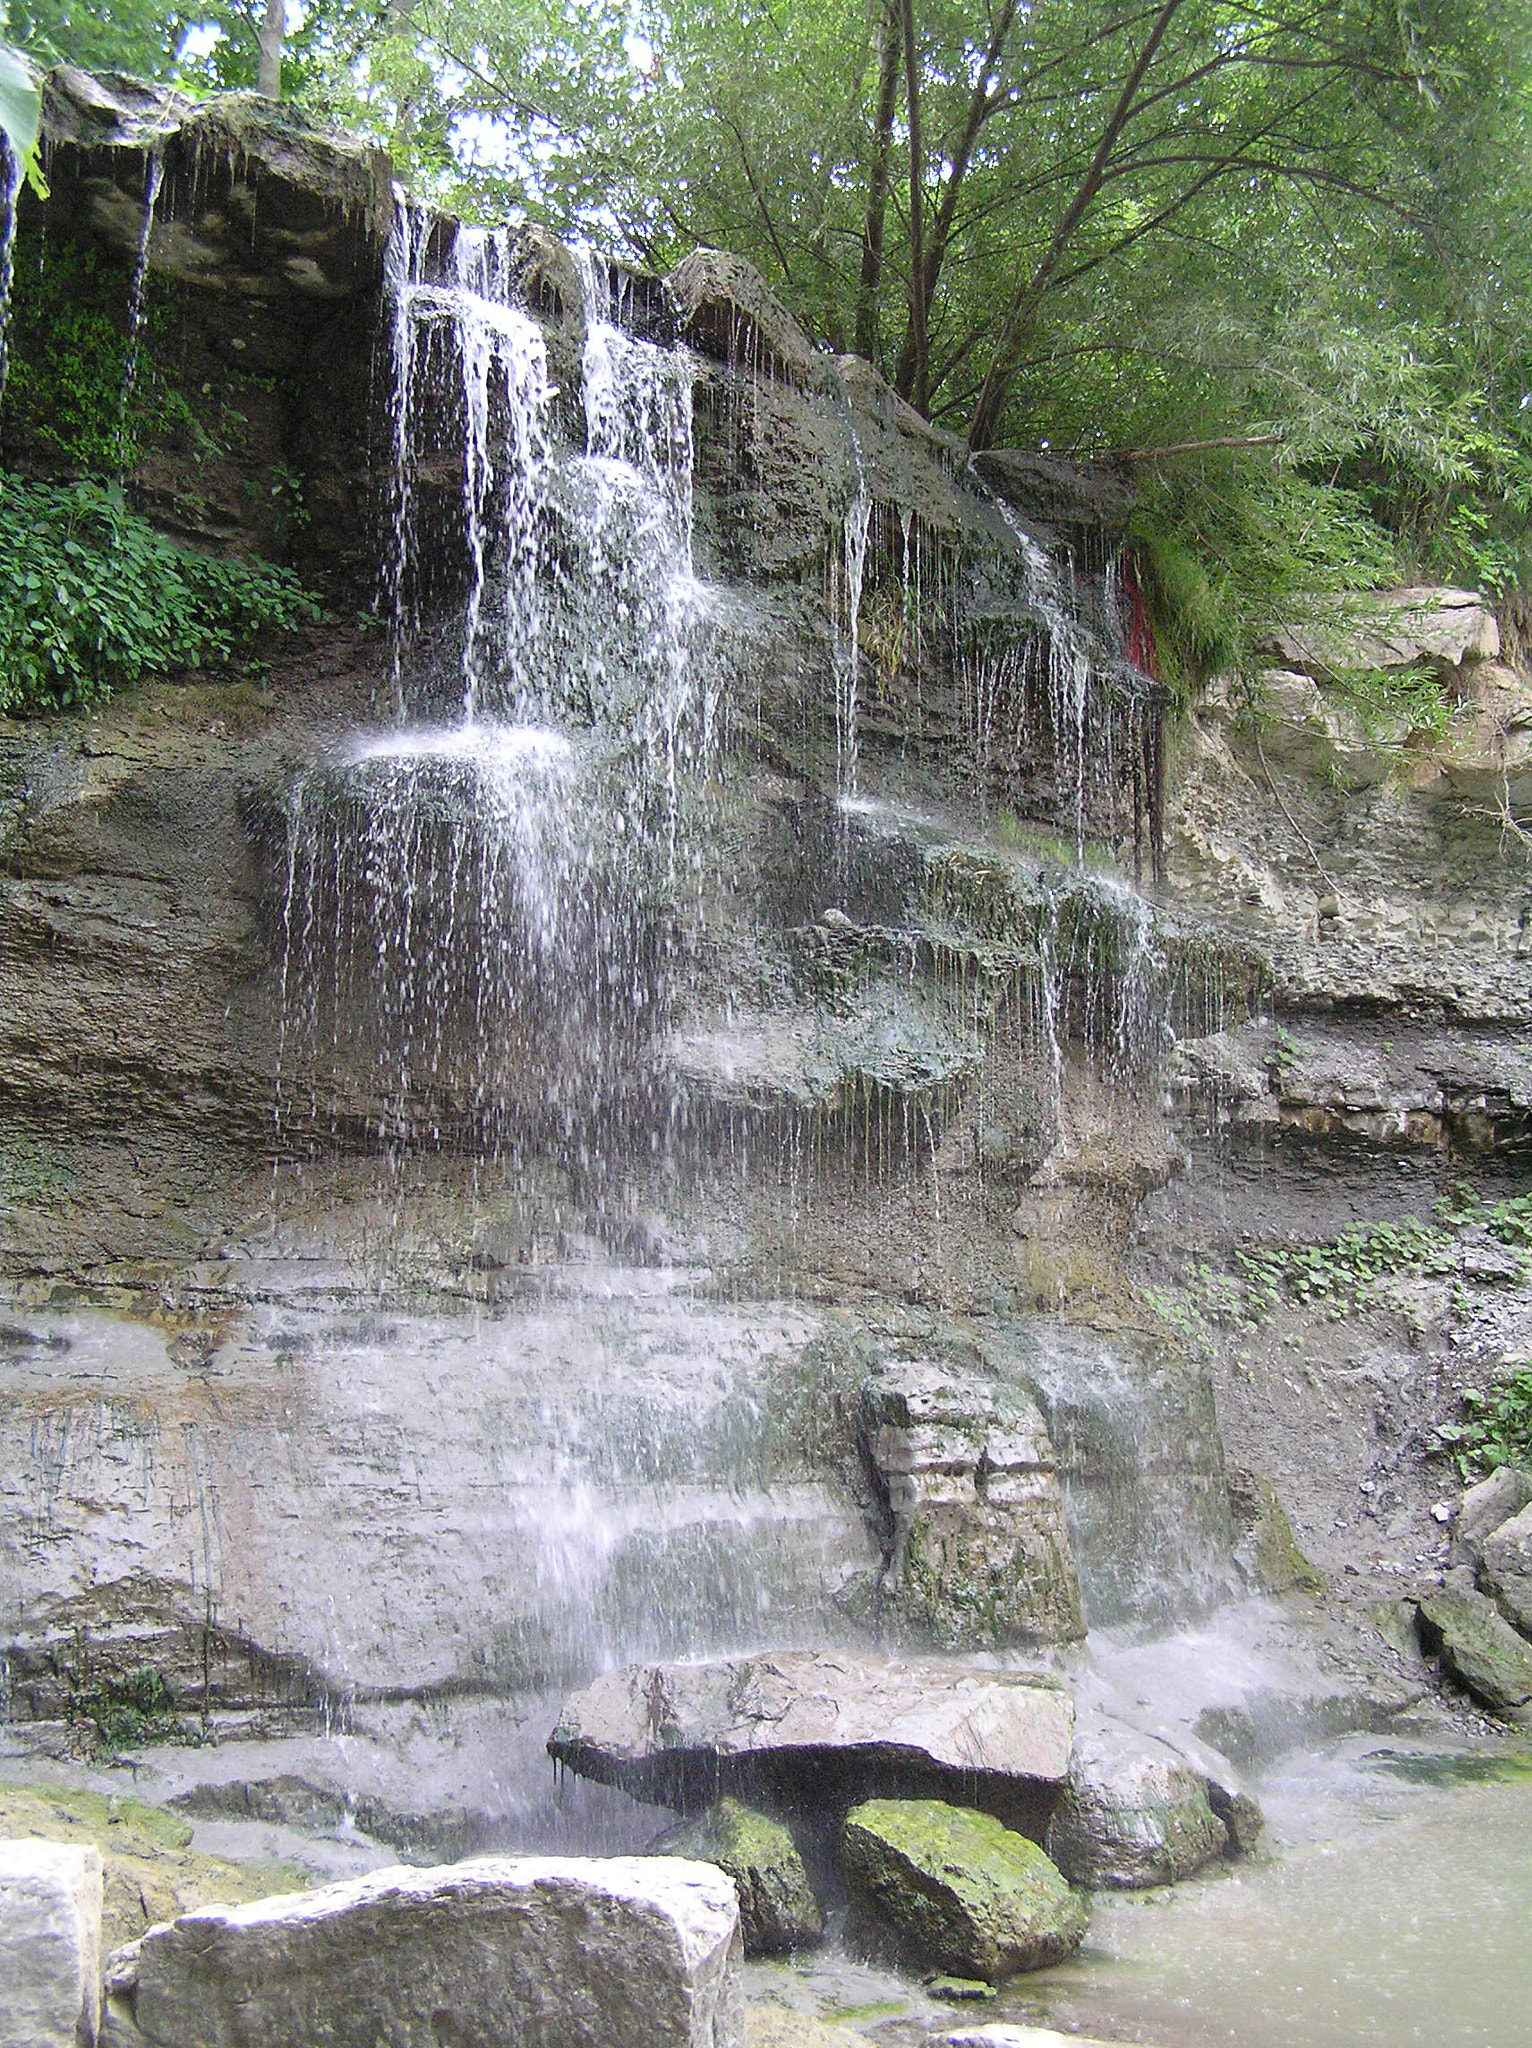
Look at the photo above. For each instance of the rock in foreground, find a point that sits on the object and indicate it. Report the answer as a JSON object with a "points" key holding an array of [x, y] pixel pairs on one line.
{"points": [[499, 1952], [1134, 1814], [778, 1911], [1505, 1569], [1478, 1648], [50, 1945], [959, 1890], [822, 1728]]}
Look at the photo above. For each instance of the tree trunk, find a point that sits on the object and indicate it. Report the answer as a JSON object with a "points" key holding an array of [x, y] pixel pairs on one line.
{"points": [[1029, 293], [916, 386], [980, 107], [268, 80], [877, 187]]}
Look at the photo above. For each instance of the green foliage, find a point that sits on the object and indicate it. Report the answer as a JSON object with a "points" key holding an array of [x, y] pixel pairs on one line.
{"points": [[69, 362], [127, 1713], [93, 599], [20, 108], [1498, 1427], [1231, 542], [1380, 699], [1340, 1277]]}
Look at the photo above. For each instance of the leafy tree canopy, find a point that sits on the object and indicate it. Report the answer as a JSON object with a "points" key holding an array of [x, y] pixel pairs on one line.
{"points": [[1285, 238]]}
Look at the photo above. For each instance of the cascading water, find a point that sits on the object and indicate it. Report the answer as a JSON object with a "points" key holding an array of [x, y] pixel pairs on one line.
{"points": [[153, 174], [446, 885], [14, 170], [855, 527]]}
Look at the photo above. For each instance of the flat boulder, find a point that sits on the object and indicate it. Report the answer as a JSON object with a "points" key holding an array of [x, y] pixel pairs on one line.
{"points": [[821, 1728], [1477, 1646], [1134, 1814], [778, 1911], [50, 1945], [498, 1952], [959, 1890], [1505, 1569]]}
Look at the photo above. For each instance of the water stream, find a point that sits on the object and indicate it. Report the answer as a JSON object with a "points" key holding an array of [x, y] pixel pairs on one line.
{"points": [[1391, 1905], [15, 172], [153, 174]]}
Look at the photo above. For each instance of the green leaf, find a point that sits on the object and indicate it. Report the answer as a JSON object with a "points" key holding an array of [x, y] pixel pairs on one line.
{"points": [[21, 113]]}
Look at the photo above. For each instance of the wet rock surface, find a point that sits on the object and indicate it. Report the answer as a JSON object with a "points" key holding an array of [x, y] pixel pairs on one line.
{"points": [[535, 1953], [778, 1911], [819, 1726], [959, 1890], [1133, 1814], [980, 1555]]}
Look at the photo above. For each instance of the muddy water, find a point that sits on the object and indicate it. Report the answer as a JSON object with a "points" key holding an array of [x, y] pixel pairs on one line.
{"points": [[1392, 1906], [1396, 1907]]}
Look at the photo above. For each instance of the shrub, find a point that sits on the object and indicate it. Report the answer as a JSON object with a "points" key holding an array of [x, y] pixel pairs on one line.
{"points": [[92, 599]]}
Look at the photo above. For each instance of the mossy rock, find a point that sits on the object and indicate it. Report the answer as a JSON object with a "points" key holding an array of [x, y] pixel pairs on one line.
{"points": [[961, 1892], [151, 1871], [777, 1907], [771, 2025], [1267, 1551], [1479, 1648]]}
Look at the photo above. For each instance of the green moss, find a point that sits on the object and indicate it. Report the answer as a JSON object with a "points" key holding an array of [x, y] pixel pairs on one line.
{"points": [[961, 1890], [1479, 1649], [777, 1907]]}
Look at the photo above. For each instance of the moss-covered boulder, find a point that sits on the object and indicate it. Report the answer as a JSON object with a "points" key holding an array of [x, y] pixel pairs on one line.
{"points": [[777, 1907], [1505, 1569], [1134, 1814], [960, 1891], [1479, 1648]]}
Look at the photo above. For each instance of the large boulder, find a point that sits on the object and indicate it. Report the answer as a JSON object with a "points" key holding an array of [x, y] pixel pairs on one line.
{"points": [[50, 1945], [500, 1952], [823, 1728], [958, 1889], [1485, 1508], [1134, 1814], [1478, 1647], [1505, 1569], [777, 1907], [259, 198], [980, 1555]]}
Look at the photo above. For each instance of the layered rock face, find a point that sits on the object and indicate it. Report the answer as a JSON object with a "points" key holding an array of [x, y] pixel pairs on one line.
{"points": [[673, 1159]]}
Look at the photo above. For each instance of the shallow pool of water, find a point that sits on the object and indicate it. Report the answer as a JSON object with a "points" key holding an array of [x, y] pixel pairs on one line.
{"points": [[1392, 1905]]}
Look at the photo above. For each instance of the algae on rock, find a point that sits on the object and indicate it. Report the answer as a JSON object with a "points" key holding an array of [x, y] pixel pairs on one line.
{"points": [[777, 1907], [960, 1890]]}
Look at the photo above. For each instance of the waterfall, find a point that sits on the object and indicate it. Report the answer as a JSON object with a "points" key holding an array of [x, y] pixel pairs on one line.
{"points": [[854, 531], [471, 913], [15, 172], [153, 173]]}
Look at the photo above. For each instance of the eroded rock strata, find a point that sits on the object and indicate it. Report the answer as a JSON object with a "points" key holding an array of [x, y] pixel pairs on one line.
{"points": [[841, 1142]]}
